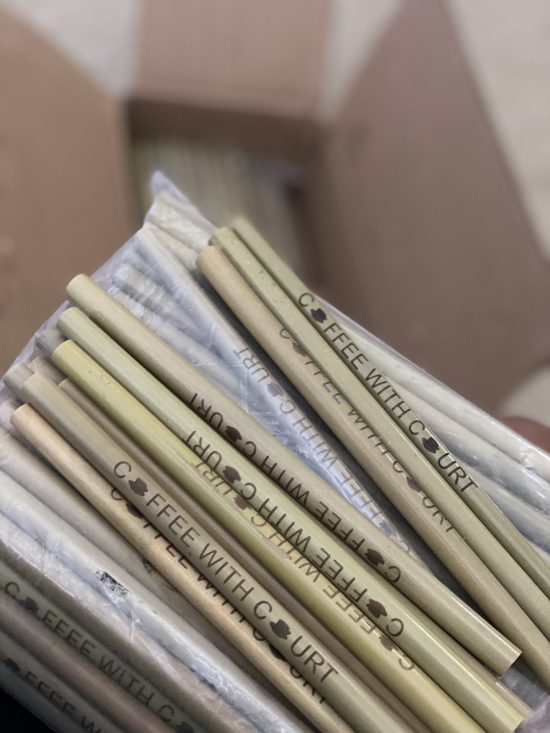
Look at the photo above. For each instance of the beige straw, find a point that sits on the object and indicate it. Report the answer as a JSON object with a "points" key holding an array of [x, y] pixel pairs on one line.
{"points": [[25, 468], [33, 601], [36, 676], [431, 447], [298, 480], [364, 588], [374, 456], [260, 573], [345, 693], [71, 587], [75, 670], [164, 361], [525, 591], [168, 449], [173, 567], [248, 561]]}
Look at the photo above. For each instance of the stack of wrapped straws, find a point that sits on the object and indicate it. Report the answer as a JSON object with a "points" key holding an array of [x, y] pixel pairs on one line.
{"points": [[217, 514]]}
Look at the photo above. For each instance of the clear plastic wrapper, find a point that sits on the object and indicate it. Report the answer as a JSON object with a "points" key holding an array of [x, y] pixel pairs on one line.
{"points": [[71, 556]]}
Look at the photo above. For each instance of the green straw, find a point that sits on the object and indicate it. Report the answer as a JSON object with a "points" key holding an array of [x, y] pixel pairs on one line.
{"points": [[372, 453], [156, 550], [456, 475], [359, 583], [292, 474], [346, 694], [150, 433]]}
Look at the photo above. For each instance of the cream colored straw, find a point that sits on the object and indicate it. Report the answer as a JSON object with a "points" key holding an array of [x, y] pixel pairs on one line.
{"points": [[35, 675], [246, 559], [525, 591], [258, 570], [359, 363], [75, 670], [148, 627], [58, 495], [348, 697], [374, 456], [518, 503], [164, 445], [293, 475], [31, 600], [173, 567], [286, 418], [517, 463], [98, 611], [234, 349], [315, 545]]}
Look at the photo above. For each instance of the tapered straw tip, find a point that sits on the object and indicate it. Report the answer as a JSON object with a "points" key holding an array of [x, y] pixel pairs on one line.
{"points": [[7, 408], [243, 228], [49, 340], [222, 235], [16, 377], [75, 283], [69, 314], [238, 221]]}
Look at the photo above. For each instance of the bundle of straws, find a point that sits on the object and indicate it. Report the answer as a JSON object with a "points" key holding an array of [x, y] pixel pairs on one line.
{"points": [[217, 513]]}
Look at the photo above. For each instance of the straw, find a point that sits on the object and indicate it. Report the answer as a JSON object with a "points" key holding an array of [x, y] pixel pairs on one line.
{"points": [[52, 616], [301, 530], [307, 487], [494, 555], [484, 460], [148, 626], [99, 613], [180, 219], [44, 366], [520, 465], [183, 343], [243, 557], [327, 675], [286, 418], [533, 523], [137, 287], [509, 572], [186, 424], [74, 669], [234, 349], [171, 452], [173, 567], [46, 707], [359, 363], [324, 586], [213, 528], [258, 570], [186, 255], [59, 496], [37, 678], [364, 444]]}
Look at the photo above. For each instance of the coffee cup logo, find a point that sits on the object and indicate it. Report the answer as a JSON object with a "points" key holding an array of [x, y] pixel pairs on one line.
{"points": [[430, 444], [319, 315], [280, 629], [231, 474], [233, 434], [377, 609], [138, 486]]}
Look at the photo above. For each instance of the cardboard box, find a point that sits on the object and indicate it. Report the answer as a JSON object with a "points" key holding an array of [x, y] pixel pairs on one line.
{"points": [[415, 226]]}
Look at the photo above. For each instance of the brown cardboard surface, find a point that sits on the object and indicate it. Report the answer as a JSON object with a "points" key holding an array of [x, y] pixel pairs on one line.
{"points": [[64, 193], [421, 234], [235, 54], [270, 135], [414, 225]]}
